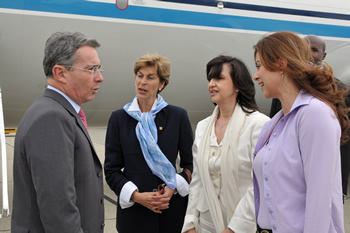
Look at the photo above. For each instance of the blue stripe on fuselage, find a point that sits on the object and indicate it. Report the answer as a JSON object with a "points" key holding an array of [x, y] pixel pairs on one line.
{"points": [[87, 8], [265, 9]]}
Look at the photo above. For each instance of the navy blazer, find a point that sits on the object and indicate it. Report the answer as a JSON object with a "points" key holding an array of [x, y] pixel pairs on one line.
{"points": [[124, 162]]}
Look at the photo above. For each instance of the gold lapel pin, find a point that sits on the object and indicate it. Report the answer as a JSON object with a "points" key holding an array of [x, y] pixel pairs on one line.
{"points": [[160, 128]]}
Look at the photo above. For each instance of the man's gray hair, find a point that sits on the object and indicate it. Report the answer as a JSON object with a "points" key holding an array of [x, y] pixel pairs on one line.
{"points": [[60, 49]]}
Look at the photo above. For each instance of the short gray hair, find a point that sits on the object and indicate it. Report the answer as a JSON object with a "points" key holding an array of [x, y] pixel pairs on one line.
{"points": [[60, 49]]}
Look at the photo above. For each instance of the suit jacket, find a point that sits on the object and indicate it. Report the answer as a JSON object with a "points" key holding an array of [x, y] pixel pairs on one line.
{"points": [[125, 162], [275, 107], [58, 183], [345, 148]]}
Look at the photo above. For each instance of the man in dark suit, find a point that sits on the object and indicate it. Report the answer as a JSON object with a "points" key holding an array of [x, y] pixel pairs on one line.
{"points": [[58, 183]]}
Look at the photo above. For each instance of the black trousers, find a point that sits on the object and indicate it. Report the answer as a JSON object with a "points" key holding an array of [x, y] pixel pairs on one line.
{"points": [[345, 165]]}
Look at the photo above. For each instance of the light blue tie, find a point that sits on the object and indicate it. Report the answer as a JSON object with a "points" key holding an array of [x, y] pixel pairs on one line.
{"points": [[146, 132]]}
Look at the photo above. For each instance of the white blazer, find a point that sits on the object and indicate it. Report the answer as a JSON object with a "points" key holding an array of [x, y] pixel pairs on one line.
{"points": [[243, 219]]}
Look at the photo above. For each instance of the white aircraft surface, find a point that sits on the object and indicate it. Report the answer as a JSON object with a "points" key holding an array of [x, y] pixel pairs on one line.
{"points": [[188, 32]]}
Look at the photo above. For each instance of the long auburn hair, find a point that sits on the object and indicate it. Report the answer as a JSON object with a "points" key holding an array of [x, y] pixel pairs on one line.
{"points": [[317, 80]]}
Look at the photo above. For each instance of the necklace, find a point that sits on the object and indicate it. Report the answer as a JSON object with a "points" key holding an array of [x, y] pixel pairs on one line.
{"points": [[221, 126]]}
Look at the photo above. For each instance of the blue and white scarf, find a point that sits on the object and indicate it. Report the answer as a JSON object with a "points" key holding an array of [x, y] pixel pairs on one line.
{"points": [[146, 132]]}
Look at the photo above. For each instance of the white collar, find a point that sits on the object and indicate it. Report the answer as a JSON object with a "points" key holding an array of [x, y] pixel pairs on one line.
{"points": [[74, 104], [135, 104]]}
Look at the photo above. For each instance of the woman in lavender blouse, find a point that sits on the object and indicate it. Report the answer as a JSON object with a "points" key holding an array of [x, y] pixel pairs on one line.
{"points": [[297, 173]]}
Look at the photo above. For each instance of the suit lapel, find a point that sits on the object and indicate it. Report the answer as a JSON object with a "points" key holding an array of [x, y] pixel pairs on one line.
{"points": [[161, 121], [64, 102]]}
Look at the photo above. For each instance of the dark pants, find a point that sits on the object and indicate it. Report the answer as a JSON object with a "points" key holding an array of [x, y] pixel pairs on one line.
{"points": [[345, 165], [259, 230]]}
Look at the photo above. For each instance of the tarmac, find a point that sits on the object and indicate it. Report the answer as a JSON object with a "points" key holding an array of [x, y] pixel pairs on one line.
{"points": [[98, 137]]}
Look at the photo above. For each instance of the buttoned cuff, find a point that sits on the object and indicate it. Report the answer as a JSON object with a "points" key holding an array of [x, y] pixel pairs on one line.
{"points": [[242, 225], [190, 223], [182, 187]]}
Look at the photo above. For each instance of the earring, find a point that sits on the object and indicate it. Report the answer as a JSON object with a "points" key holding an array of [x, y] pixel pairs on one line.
{"points": [[160, 89], [236, 90]]}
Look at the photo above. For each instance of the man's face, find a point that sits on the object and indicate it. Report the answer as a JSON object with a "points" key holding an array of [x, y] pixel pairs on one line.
{"points": [[317, 51], [81, 85]]}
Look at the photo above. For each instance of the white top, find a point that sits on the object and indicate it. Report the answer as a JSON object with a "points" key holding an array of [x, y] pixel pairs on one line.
{"points": [[214, 161]]}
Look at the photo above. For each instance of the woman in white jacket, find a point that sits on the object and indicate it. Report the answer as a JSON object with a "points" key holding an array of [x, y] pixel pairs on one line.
{"points": [[221, 193]]}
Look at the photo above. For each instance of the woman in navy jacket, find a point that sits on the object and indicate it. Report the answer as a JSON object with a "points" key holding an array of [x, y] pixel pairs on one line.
{"points": [[143, 142]]}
